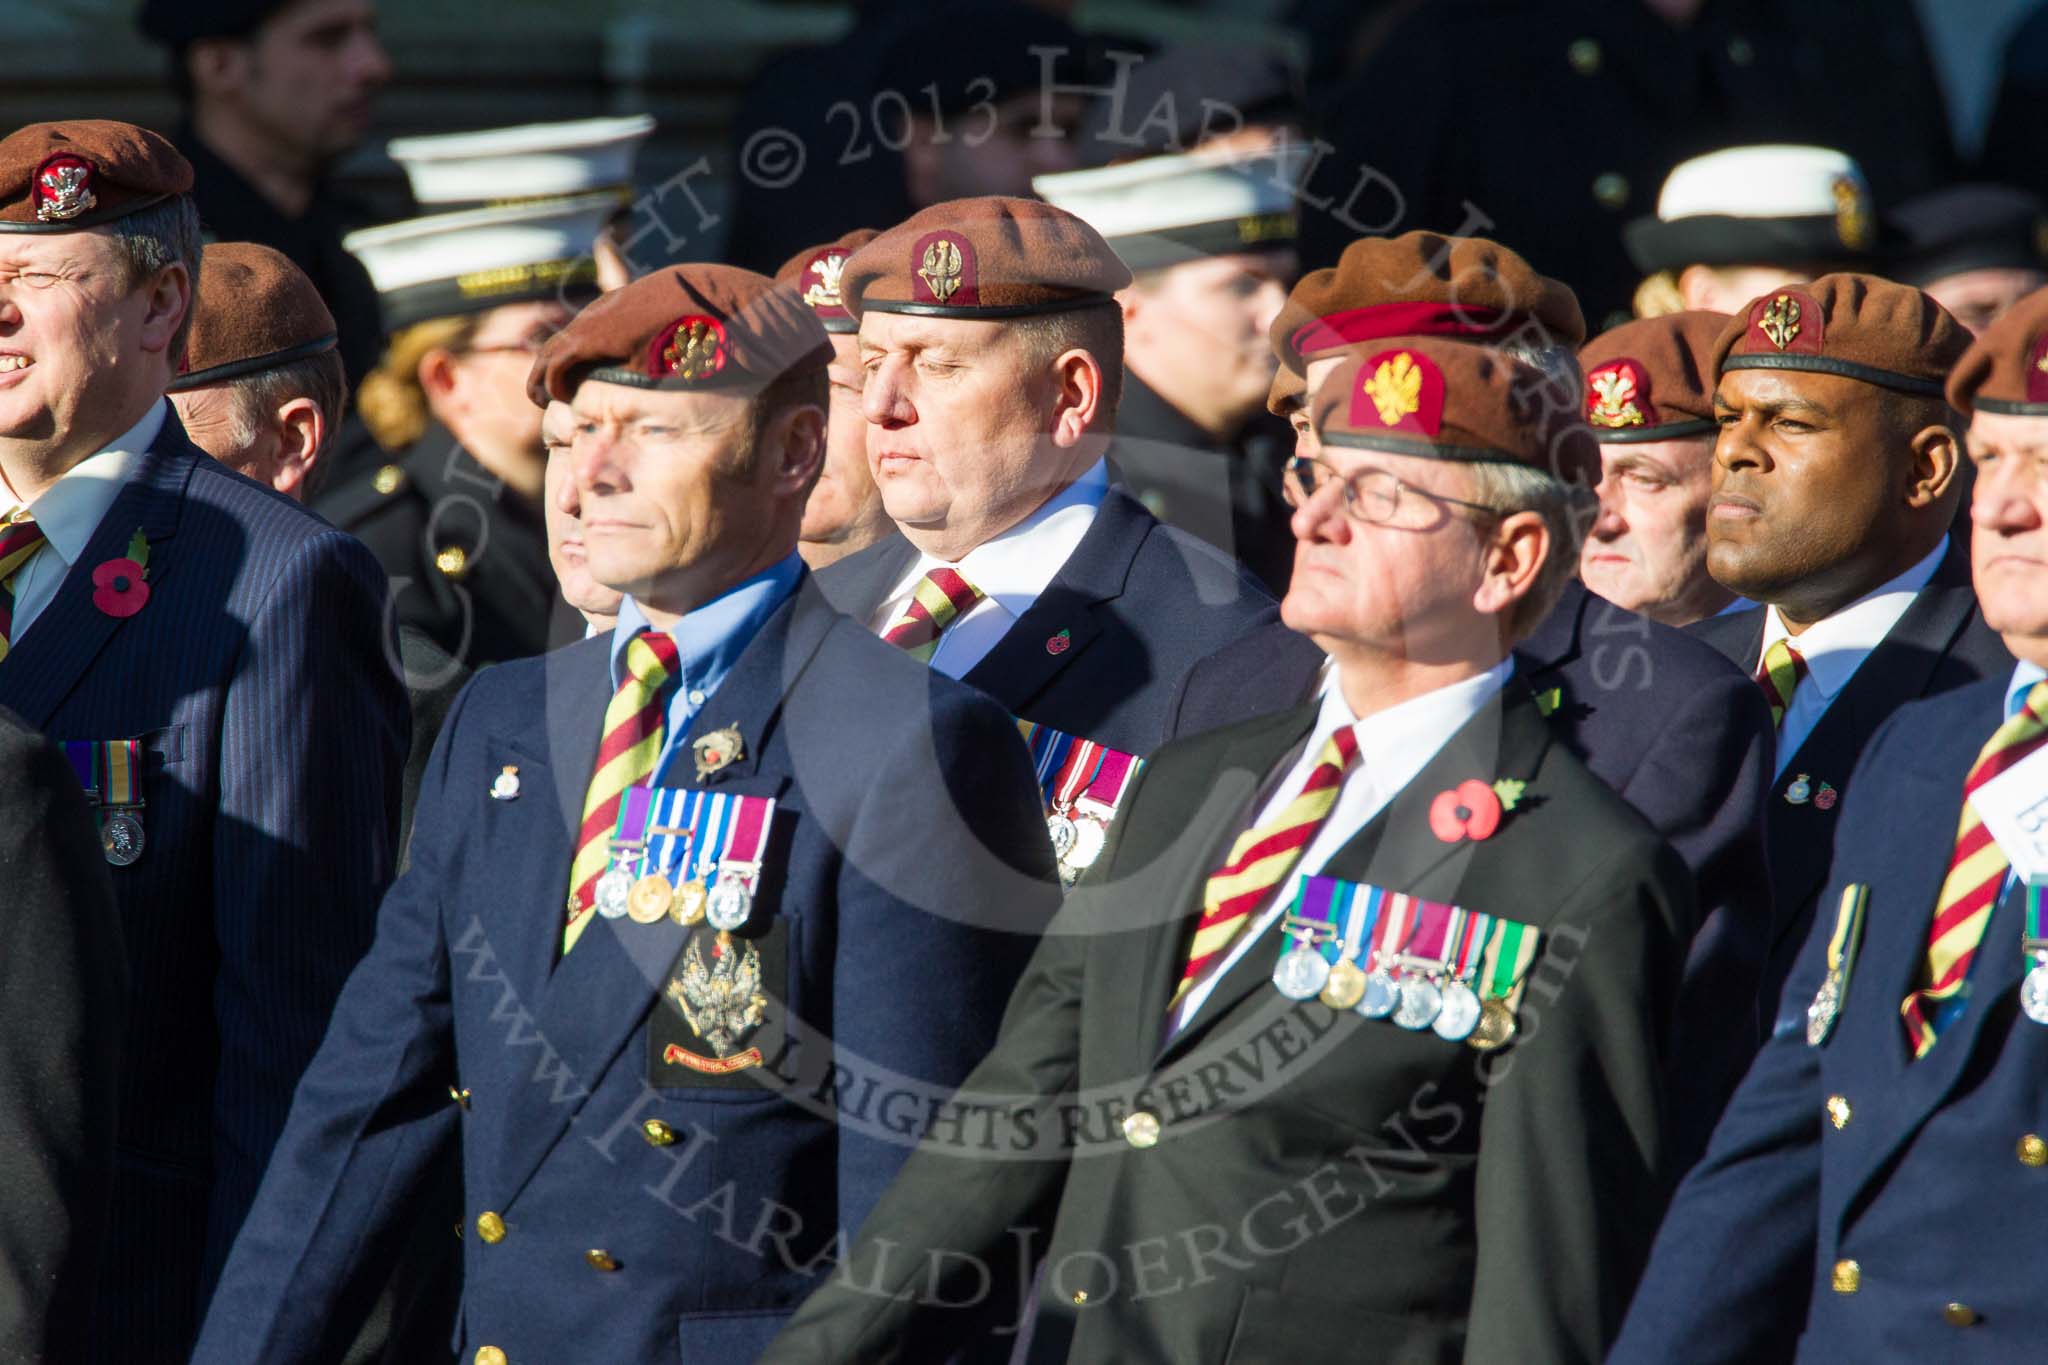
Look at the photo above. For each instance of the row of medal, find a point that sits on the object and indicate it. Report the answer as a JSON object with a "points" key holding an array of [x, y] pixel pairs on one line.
{"points": [[1423, 964], [110, 771], [1081, 783], [689, 856]]}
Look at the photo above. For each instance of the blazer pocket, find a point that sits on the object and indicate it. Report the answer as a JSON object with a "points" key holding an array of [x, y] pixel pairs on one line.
{"points": [[728, 1334], [1277, 1329]]}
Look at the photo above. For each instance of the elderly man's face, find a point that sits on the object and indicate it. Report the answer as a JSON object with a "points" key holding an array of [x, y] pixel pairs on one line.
{"points": [[2009, 520], [845, 504], [563, 510], [1647, 551]]}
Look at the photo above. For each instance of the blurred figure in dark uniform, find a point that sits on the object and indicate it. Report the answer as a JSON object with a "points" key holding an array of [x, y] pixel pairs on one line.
{"points": [[275, 91], [1974, 249], [1209, 240]]}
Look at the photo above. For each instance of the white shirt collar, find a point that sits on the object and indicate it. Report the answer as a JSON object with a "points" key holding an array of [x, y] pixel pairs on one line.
{"points": [[2024, 676], [1397, 743], [1013, 568], [1836, 645], [71, 509]]}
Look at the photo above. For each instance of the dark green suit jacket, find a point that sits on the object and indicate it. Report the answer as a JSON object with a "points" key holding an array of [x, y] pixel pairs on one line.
{"points": [[1323, 1186]]}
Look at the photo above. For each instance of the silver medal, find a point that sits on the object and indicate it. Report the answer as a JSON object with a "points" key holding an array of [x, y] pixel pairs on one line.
{"points": [[614, 893], [2034, 992], [1382, 994], [1089, 836], [121, 838], [729, 904], [1420, 1003], [1820, 1015], [1062, 831], [1301, 973], [1459, 1015]]}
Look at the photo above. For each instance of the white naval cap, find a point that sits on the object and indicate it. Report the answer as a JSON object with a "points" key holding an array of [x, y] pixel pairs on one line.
{"points": [[536, 160], [1163, 210], [1770, 204], [449, 264]]}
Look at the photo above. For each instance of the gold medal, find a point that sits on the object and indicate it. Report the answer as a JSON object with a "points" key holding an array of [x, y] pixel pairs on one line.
{"points": [[650, 899], [687, 907], [1346, 986], [1496, 1025]]}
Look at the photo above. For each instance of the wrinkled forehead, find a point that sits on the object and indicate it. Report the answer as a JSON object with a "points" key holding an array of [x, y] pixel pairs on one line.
{"points": [[87, 249], [603, 401], [2001, 433], [885, 332]]}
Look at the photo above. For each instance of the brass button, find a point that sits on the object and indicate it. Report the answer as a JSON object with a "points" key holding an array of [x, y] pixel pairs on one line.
{"points": [[1141, 1129], [461, 1097], [600, 1259], [387, 479], [1080, 1297], [1610, 190], [2033, 1151], [453, 561], [1741, 51], [1960, 1315], [1584, 55], [657, 1133], [490, 1227], [489, 1355], [1848, 1277], [1838, 1111]]}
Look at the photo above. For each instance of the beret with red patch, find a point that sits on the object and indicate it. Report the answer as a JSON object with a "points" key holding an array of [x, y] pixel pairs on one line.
{"points": [[61, 177], [689, 328], [815, 273], [254, 311], [2005, 371], [1447, 400], [1652, 379], [992, 257], [1857, 326]]}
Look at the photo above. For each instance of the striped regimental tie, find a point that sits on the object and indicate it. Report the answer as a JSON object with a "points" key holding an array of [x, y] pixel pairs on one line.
{"points": [[1261, 859], [1779, 675], [1976, 872], [634, 727], [20, 538], [939, 599]]}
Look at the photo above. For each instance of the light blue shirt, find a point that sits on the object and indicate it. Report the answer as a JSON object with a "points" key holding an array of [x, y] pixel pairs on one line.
{"points": [[709, 641]]}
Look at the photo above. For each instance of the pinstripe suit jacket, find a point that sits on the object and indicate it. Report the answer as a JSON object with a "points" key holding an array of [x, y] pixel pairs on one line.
{"points": [[274, 731]]}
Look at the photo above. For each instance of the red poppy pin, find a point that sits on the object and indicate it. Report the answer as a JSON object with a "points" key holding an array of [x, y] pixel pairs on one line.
{"points": [[118, 585], [1472, 810], [1060, 643]]}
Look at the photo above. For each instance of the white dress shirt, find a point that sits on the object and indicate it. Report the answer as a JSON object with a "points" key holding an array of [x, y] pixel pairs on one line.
{"points": [[1393, 746], [72, 509], [1836, 646], [1012, 569]]}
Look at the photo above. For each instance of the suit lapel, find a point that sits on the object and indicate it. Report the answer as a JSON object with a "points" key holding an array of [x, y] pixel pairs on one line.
{"points": [[860, 583], [64, 640]]}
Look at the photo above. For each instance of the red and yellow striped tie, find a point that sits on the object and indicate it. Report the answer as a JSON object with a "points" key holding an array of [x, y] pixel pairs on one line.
{"points": [[20, 538], [1780, 674], [1976, 871], [940, 597], [634, 727], [1261, 859]]}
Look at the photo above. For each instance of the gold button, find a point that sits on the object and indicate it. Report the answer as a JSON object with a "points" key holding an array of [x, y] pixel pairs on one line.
{"points": [[490, 1227], [1838, 1111], [461, 1097], [2033, 1151], [489, 1355], [600, 1259], [1584, 55], [1848, 1277], [1141, 1129], [1611, 190], [1080, 1297], [1741, 51], [657, 1133], [387, 479], [1960, 1315], [453, 561]]}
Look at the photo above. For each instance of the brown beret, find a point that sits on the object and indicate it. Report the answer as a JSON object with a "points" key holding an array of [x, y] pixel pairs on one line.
{"points": [[1857, 326], [983, 258], [254, 311], [2005, 371], [1422, 284], [1652, 379], [690, 328], [60, 177], [815, 273], [1449, 400]]}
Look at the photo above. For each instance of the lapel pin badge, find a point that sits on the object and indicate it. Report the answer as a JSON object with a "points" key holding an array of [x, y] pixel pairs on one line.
{"points": [[719, 749], [505, 787], [1799, 792], [1060, 643], [1825, 798]]}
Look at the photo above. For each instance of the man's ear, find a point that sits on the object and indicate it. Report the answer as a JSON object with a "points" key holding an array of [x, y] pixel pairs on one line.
{"points": [[1515, 555], [1078, 380], [797, 440], [304, 431], [170, 298], [1937, 457]]}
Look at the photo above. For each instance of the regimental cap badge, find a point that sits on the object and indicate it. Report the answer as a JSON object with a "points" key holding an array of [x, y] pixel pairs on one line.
{"points": [[1401, 391], [63, 189], [1788, 320], [1618, 395], [822, 274], [717, 750], [1852, 212], [691, 349], [944, 271], [2037, 369]]}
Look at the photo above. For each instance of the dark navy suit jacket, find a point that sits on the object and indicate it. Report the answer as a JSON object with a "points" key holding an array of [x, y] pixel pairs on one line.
{"points": [[274, 727], [906, 882], [1920, 1183], [1940, 643], [1139, 602], [1682, 736]]}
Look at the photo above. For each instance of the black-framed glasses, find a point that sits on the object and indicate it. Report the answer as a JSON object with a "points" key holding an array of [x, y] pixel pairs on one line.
{"points": [[1370, 495]]}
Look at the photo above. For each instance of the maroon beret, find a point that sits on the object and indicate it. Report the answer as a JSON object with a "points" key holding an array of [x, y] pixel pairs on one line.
{"points": [[254, 311], [691, 328], [1652, 379], [60, 177], [983, 258], [815, 273], [2005, 371], [1857, 326], [1449, 400]]}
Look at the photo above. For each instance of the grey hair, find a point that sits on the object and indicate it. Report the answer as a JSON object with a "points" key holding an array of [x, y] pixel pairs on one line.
{"points": [[255, 399], [153, 239], [1566, 509], [1098, 330]]}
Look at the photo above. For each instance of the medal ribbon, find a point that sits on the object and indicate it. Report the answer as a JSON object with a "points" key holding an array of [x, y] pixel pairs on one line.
{"points": [[1470, 943], [1508, 955], [1848, 933], [1112, 776], [669, 833], [1084, 756], [1436, 928], [2033, 913], [1399, 917], [110, 770], [1311, 912], [631, 828], [749, 829]]}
